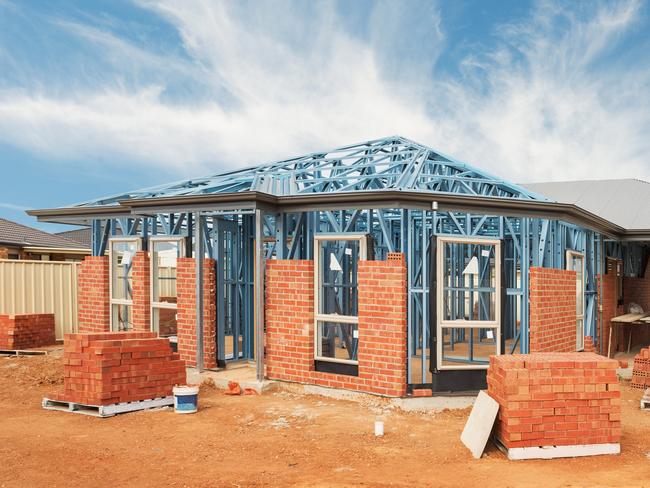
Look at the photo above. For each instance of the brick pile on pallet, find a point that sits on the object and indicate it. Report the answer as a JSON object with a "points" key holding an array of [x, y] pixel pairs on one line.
{"points": [[109, 368], [641, 370], [555, 399], [27, 331]]}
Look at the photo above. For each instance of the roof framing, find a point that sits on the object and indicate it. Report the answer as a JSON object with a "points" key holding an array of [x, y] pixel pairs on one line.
{"points": [[392, 163]]}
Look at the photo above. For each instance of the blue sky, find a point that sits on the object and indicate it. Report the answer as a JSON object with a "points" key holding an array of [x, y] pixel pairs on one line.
{"points": [[105, 96]]}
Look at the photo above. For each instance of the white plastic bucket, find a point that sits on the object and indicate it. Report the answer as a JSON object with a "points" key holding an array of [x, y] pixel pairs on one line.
{"points": [[186, 399], [379, 428]]}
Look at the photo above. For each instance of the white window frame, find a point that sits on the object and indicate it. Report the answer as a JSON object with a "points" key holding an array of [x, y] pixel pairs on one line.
{"points": [[333, 317], [461, 323], [580, 334], [111, 272], [158, 305]]}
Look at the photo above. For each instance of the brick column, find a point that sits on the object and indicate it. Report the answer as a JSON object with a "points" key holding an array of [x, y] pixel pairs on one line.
{"points": [[289, 319], [93, 295], [186, 313], [382, 324], [140, 273], [552, 326]]}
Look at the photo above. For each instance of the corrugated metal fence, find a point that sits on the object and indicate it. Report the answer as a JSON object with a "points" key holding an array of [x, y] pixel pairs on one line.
{"points": [[41, 287]]}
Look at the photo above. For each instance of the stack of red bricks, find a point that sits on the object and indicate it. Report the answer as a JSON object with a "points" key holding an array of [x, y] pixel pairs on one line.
{"points": [[555, 399], [641, 369], [26, 331], [108, 368]]}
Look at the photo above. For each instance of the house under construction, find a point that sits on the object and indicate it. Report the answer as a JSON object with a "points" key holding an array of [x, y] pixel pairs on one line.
{"points": [[381, 267]]}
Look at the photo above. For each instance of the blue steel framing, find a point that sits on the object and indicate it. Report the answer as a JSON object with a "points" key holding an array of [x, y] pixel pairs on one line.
{"points": [[392, 163]]}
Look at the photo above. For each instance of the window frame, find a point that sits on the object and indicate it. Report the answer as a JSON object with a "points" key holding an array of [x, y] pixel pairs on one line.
{"points": [[152, 277], [111, 272], [570, 253], [324, 318], [462, 323]]}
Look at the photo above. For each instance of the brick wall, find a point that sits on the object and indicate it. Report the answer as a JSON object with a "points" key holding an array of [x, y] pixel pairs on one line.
{"points": [[93, 295], [186, 313], [382, 326], [108, 368], [141, 279], [552, 310], [26, 331], [555, 399]]}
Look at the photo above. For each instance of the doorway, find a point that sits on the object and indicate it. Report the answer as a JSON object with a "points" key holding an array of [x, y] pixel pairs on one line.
{"points": [[467, 296], [575, 261], [232, 337]]}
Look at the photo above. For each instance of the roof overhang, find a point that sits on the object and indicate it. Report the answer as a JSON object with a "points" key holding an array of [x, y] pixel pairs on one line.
{"points": [[223, 202]]}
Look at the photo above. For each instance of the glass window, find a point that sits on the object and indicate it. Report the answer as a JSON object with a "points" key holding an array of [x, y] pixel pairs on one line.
{"points": [[338, 284], [164, 260], [122, 252], [338, 340], [121, 317], [337, 303], [468, 345], [469, 282], [469, 302]]}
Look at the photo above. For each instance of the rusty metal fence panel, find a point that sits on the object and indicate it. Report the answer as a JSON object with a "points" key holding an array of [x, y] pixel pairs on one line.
{"points": [[41, 287]]}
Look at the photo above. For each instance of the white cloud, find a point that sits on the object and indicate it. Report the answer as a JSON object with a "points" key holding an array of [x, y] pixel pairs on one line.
{"points": [[287, 78]]}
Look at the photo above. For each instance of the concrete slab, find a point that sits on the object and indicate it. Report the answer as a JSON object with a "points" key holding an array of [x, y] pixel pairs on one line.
{"points": [[479, 424]]}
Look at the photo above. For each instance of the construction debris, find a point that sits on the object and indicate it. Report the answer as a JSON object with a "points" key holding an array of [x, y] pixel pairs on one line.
{"points": [[233, 388]]}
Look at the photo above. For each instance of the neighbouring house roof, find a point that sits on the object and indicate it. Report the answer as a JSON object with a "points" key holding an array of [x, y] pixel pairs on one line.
{"points": [[81, 236], [625, 202], [19, 235]]}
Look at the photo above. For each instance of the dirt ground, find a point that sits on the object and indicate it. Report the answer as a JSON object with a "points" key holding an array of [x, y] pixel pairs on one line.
{"points": [[278, 439]]}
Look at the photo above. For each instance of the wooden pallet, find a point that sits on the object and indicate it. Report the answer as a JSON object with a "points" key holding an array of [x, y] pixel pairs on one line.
{"points": [[104, 411], [21, 352]]}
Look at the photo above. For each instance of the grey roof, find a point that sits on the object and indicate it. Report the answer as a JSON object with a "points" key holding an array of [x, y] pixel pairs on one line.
{"points": [[16, 234], [82, 236], [623, 202]]}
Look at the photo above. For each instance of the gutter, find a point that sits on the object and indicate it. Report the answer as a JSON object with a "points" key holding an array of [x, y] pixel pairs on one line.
{"points": [[61, 250], [344, 201]]}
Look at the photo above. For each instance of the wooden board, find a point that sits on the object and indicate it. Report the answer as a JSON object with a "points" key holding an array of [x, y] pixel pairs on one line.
{"points": [[629, 318], [479, 424]]}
